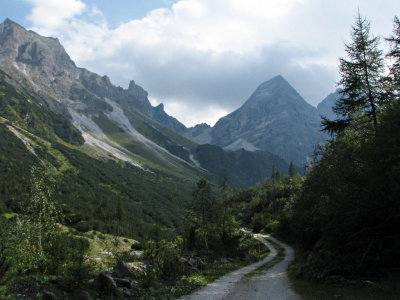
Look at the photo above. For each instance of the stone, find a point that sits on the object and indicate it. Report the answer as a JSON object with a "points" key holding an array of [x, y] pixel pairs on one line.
{"points": [[106, 284], [135, 254], [123, 270], [123, 282], [224, 260]]}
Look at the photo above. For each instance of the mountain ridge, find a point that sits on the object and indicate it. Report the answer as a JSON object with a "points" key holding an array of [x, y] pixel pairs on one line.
{"points": [[113, 121]]}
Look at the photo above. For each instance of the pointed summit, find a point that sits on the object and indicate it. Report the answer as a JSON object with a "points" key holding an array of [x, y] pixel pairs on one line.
{"points": [[9, 22], [276, 91], [277, 79], [275, 118], [274, 82]]}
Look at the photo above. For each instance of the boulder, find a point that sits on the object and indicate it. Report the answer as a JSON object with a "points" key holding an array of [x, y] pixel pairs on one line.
{"points": [[135, 254], [123, 270], [223, 260], [123, 282], [107, 284]]}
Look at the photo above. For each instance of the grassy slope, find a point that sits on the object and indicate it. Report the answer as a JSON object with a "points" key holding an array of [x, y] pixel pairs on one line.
{"points": [[96, 194]]}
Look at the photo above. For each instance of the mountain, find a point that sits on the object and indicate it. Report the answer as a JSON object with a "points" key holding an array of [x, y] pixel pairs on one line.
{"points": [[325, 106], [90, 190], [93, 104], [106, 121], [275, 118]]}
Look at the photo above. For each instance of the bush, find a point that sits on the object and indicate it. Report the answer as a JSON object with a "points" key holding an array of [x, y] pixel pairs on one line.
{"points": [[164, 256]]}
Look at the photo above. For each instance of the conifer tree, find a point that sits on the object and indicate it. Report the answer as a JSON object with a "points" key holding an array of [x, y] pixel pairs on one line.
{"points": [[361, 80], [292, 170], [394, 53], [203, 207]]}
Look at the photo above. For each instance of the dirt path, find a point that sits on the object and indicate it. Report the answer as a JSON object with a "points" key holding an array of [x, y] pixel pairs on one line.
{"points": [[271, 284]]}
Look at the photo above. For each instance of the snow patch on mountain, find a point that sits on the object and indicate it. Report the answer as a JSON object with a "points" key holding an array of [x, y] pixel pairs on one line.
{"points": [[98, 138], [196, 163], [121, 119], [23, 139], [241, 144], [94, 141]]}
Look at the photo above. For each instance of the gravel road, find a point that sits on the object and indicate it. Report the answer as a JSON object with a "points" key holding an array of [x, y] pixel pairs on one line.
{"points": [[271, 284]]}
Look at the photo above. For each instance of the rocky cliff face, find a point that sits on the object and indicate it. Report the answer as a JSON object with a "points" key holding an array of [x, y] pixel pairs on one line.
{"points": [[275, 118], [43, 64]]}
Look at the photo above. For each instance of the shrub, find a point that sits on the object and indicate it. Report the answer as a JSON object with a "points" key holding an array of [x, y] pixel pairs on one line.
{"points": [[164, 256]]}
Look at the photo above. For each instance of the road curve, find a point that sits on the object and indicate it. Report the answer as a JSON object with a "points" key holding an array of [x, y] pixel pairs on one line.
{"points": [[271, 284]]}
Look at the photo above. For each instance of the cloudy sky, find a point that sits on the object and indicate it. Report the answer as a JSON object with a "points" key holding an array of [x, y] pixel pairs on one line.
{"points": [[203, 58]]}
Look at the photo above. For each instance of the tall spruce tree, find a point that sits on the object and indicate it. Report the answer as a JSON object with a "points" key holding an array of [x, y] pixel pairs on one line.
{"points": [[361, 80], [394, 53], [292, 172], [203, 207]]}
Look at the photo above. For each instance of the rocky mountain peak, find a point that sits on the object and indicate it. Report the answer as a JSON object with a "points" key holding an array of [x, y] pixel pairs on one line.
{"points": [[29, 48], [202, 125], [275, 92], [9, 24], [275, 118], [160, 107], [138, 92]]}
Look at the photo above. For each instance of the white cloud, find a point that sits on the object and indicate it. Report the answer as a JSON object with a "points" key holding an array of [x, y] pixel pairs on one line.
{"points": [[47, 16], [203, 58], [191, 116]]}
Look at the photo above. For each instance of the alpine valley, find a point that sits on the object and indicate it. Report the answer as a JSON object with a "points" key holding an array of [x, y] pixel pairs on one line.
{"points": [[105, 196], [109, 147]]}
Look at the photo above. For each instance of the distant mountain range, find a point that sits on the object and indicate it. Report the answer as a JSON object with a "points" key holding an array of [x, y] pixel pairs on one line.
{"points": [[122, 125], [109, 147]]}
